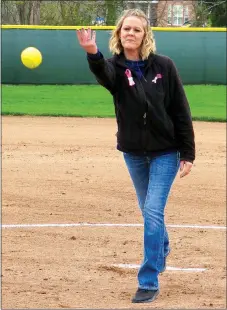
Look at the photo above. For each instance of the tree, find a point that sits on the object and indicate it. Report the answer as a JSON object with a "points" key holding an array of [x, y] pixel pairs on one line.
{"points": [[210, 13], [9, 13], [50, 12], [112, 11], [21, 12], [201, 15], [35, 13], [69, 13], [218, 14], [74, 12], [161, 16]]}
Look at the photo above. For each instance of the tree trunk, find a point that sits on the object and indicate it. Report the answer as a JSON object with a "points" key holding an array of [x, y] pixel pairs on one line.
{"points": [[35, 13], [153, 14], [9, 13]]}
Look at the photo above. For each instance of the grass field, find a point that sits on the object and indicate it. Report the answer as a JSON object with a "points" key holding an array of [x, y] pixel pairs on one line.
{"points": [[207, 102]]}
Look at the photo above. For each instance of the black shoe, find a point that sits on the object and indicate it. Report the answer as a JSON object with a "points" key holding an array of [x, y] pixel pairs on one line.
{"points": [[145, 295]]}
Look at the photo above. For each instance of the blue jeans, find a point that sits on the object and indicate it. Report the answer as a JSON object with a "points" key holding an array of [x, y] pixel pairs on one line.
{"points": [[152, 178]]}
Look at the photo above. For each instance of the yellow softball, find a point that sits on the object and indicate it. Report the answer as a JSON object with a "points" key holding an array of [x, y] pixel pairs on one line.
{"points": [[31, 57]]}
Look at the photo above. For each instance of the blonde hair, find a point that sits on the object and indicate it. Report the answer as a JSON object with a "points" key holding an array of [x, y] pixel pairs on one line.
{"points": [[148, 43]]}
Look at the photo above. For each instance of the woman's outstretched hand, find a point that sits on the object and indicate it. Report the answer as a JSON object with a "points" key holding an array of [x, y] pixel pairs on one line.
{"points": [[86, 39]]}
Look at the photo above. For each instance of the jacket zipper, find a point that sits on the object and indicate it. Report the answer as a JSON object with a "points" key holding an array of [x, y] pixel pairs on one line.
{"points": [[144, 95], [145, 114]]}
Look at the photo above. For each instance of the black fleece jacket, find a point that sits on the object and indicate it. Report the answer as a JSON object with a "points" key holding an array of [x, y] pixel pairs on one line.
{"points": [[153, 115]]}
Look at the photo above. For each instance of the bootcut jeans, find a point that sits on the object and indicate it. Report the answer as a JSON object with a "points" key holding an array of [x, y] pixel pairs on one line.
{"points": [[152, 178]]}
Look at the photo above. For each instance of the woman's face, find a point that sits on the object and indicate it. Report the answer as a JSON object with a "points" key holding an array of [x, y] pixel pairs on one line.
{"points": [[132, 33]]}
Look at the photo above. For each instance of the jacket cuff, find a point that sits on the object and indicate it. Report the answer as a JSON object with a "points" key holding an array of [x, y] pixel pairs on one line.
{"points": [[187, 158], [96, 56]]}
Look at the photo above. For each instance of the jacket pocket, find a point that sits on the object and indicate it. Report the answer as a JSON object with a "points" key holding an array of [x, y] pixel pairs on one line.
{"points": [[159, 120]]}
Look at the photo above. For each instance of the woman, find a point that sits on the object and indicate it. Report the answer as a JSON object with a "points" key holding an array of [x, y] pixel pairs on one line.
{"points": [[155, 131]]}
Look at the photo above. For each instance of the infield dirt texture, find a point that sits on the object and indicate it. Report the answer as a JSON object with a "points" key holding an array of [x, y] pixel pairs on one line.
{"points": [[67, 170]]}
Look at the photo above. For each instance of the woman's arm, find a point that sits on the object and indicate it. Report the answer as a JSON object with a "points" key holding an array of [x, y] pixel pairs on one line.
{"points": [[103, 69], [182, 120]]}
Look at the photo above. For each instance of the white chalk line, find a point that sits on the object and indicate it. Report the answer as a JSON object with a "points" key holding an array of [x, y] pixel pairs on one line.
{"points": [[106, 225], [134, 266]]}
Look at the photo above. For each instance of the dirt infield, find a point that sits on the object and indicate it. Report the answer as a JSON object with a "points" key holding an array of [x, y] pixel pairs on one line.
{"points": [[67, 170]]}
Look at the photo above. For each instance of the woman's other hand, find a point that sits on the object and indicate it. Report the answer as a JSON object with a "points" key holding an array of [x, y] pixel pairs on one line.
{"points": [[185, 168]]}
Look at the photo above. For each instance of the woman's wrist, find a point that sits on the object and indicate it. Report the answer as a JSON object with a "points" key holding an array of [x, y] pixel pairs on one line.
{"points": [[92, 50]]}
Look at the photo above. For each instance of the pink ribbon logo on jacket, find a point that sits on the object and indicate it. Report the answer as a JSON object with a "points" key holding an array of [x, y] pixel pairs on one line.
{"points": [[128, 73], [158, 76]]}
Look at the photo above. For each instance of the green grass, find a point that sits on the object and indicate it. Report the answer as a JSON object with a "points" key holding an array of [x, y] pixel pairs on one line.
{"points": [[207, 102]]}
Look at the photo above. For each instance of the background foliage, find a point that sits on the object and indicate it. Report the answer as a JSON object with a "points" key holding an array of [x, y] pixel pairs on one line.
{"points": [[97, 12]]}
